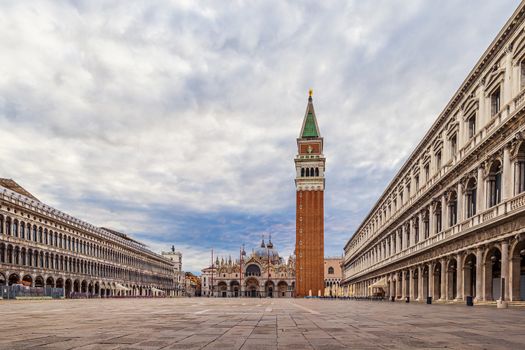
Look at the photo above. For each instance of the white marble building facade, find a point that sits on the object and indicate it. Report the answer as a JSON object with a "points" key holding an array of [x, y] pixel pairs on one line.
{"points": [[451, 223], [41, 246]]}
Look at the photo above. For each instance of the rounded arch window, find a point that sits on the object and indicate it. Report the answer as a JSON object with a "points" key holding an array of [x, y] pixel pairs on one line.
{"points": [[330, 270], [253, 270]]}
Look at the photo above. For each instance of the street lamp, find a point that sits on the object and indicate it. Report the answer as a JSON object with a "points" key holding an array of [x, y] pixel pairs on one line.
{"points": [[242, 253], [212, 268], [268, 247]]}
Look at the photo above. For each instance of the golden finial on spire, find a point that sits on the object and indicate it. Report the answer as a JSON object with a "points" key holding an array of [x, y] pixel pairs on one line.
{"points": [[310, 92]]}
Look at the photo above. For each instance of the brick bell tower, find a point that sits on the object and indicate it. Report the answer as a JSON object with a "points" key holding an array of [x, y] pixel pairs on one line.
{"points": [[309, 184]]}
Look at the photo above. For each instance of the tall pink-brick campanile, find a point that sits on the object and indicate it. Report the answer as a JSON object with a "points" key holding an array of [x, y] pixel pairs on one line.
{"points": [[309, 184]]}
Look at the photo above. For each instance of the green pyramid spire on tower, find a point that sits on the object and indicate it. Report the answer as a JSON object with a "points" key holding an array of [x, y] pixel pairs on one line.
{"points": [[310, 128]]}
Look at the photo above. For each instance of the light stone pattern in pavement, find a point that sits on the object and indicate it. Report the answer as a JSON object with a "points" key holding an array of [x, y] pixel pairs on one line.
{"points": [[204, 323]]}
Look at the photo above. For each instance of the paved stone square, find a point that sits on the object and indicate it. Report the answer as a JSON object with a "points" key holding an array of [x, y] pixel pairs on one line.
{"points": [[204, 323]]}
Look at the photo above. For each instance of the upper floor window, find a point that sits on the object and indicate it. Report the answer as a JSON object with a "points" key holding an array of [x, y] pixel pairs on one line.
{"points": [[417, 182], [427, 172], [416, 230], [438, 160], [438, 214], [426, 224], [471, 197], [494, 184], [8, 226], [471, 126], [522, 75], [495, 100], [453, 145], [453, 209], [330, 270]]}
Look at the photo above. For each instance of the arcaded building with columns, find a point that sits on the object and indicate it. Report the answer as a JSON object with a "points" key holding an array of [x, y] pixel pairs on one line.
{"points": [[43, 247], [451, 223]]}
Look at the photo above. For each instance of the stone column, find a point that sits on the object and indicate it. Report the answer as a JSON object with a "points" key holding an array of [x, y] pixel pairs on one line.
{"points": [[444, 279], [420, 283], [479, 273], [403, 284], [444, 213], [431, 220], [480, 200], [459, 276], [412, 285], [507, 80], [392, 292], [460, 201], [482, 110], [431, 279], [505, 269], [398, 241], [398, 285], [461, 132], [421, 227], [506, 178]]}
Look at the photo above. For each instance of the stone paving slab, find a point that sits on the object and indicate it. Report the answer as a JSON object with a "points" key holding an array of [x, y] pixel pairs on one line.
{"points": [[208, 323]]}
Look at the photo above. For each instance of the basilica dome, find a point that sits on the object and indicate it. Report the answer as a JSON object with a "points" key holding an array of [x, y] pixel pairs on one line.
{"points": [[267, 250]]}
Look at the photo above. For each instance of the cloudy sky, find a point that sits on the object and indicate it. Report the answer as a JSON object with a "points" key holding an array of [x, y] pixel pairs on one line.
{"points": [[176, 122]]}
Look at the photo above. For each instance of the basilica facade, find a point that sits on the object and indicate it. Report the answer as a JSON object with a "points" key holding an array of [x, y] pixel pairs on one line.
{"points": [[42, 248], [263, 273], [451, 223]]}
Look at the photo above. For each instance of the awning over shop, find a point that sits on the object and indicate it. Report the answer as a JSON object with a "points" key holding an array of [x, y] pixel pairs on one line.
{"points": [[379, 284], [157, 290], [121, 287]]}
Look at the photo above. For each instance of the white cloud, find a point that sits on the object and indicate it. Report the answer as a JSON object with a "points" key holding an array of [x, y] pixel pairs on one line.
{"points": [[110, 111]]}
